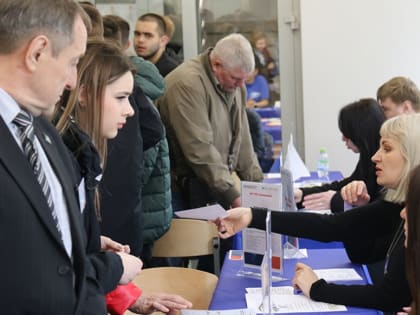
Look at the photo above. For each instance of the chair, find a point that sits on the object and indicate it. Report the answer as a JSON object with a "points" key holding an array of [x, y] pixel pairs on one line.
{"points": [[194, 285], [189, 238]]}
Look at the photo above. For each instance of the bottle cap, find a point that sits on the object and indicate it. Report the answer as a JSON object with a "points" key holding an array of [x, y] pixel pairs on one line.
{"points": [[322, 150]]}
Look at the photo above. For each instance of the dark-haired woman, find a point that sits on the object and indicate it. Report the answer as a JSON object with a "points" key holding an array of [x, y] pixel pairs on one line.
{"points": [[359, 123]]}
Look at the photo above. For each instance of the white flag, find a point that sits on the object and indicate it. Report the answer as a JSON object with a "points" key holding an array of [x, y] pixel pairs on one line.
{"points": [[294, 163]]}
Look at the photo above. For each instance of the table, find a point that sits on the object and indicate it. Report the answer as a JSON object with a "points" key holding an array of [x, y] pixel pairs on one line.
{"points": [[268, 112], [230, 290], [332, 176], [273, 127], [303, 242]]}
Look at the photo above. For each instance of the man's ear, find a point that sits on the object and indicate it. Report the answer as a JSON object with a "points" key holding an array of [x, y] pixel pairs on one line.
{"points": [[36, 49], [164, 40], [407, 107]]}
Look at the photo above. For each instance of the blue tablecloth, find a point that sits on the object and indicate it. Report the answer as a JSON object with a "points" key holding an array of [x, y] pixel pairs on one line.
{"points": [[303, 242], [273, 127], [269, 112], [230, 290]]}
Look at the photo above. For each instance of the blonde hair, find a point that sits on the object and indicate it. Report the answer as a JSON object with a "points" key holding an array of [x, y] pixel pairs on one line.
{"points": [[405, 129]]}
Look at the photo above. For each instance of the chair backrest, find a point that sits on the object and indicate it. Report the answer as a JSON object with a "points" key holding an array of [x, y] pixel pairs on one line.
{"points": [[189, 238], [194, 285]]}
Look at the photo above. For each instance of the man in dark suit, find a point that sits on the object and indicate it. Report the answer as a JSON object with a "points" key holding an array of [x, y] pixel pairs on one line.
{"points": [[44, 266]]}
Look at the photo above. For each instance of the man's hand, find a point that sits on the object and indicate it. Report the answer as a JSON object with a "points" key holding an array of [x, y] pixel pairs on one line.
{"points": [[132, 267], [318, 201], [355, 193], [161, 302]]}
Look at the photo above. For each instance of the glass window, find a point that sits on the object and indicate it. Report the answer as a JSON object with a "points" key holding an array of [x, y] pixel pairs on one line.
{"points": [[256, 20]]}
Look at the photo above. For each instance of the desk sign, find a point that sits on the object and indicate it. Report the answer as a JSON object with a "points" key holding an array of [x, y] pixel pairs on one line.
{"points": [[291, 244], [254, 241], [261, 195]]}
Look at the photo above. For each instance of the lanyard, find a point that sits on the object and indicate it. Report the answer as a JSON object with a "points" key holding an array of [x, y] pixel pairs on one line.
{"points": [[397, 237]]}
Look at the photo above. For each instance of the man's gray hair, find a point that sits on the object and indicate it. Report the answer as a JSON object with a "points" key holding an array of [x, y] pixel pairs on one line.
{"points": [[235, 51], [22, 20]]}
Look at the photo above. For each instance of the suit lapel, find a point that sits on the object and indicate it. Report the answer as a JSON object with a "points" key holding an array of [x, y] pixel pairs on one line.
{"points": [[17, 164], [64, 175]]}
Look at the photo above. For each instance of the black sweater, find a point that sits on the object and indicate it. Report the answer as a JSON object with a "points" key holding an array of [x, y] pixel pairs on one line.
{"points": [[337, 203], [358, 225]]}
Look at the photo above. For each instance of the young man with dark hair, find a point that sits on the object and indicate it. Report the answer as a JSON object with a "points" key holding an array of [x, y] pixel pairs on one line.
{"points": [[150, 40]]}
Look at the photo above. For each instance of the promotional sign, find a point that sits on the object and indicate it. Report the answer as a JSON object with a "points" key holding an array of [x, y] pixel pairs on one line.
{"points": [[254, 241]]}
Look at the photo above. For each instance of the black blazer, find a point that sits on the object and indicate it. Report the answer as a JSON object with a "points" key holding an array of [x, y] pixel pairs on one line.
{"points": [[37, 276]]}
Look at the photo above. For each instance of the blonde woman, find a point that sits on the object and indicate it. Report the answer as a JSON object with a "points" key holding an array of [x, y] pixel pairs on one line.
{"points": [[399, 152]]}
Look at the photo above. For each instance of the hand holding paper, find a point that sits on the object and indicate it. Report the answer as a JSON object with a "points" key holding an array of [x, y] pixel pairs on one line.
{"points": [[235, 220], [210, 213]]}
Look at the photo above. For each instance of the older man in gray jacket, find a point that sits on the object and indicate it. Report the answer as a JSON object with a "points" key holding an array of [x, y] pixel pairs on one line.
{"points": [[204, 113]]}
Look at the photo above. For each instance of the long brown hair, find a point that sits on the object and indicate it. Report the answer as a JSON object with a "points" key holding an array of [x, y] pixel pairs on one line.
{"points": [[102, 64], [413, 238]]}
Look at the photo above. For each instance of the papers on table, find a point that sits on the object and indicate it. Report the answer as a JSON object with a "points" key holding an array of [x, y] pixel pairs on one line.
{"points": [[242, 311], [284, 300], [203, 213], [272, 175], [309, 183], [274, 290], [290, 303], [338, 274]]}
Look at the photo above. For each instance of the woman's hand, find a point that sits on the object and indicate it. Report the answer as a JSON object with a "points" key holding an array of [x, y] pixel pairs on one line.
{"points": [[304, 278], [235, 220], [131, 267], [107, 244], [297, 193], [405, 311], [318, 201], [166, 303], [355, 193]]}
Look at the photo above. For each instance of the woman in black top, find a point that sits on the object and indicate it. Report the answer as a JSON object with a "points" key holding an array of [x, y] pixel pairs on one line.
{"points": [[411, 215], [88, 116], [399, 152], [359, 123]]}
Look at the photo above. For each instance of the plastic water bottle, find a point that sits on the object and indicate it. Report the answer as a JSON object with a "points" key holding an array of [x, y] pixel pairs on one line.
{"points": [[323, 164]]}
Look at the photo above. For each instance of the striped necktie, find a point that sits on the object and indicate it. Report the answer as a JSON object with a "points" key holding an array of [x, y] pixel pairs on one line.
{"points": [[24, 122]]}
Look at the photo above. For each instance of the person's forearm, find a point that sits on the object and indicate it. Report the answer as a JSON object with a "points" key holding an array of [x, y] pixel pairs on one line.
{"points": [[261, 103]]}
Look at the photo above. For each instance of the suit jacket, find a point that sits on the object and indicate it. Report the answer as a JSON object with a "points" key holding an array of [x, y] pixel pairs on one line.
{"points": [[37, 276]]}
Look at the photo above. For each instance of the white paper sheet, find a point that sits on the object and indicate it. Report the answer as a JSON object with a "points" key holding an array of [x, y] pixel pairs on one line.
{"points": [[294, 163], [261, 195], [274, 290], [292, 304], [338, 274], [296, 254], [203, 213], [272, 175], [242, 311]]}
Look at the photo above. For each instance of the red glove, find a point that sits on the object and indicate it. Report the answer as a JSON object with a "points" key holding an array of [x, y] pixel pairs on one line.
{"points": [[119, 300]]}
